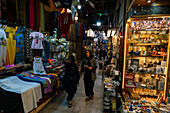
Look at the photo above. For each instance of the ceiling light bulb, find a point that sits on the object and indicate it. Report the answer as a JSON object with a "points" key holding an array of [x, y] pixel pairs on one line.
{"points": [[76, 18], [149, 1], [68, 10], [79, 6], [98, 23]]}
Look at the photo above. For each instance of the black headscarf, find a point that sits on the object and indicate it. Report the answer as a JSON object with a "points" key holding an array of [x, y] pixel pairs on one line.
{"points": [[72, 59], [91, 55]]}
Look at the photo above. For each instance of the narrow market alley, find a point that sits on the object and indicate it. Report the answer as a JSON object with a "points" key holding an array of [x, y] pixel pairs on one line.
{"points": [[59, 103]]}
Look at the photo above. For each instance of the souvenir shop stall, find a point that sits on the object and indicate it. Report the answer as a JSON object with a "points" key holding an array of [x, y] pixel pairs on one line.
{"points": [[29, 90], [32, 52], [146, 64], [111, 73]]}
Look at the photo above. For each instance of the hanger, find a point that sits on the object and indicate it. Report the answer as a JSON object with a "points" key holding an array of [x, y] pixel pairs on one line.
{"points": [[39, 57], [36, 57]]}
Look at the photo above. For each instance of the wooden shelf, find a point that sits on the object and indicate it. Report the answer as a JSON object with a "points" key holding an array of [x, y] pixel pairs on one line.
{"points": [[146, 44], [150, 30], [133, 56], [143, 73]]}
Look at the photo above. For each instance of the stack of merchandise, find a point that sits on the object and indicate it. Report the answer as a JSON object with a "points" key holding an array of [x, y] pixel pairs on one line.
{"points": [[21, 67], [110, 94], [53, 66]]}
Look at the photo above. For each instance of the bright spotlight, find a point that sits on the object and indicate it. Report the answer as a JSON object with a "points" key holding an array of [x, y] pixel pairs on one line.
{"points": [[149, 1], [79, 7], [76, 18], [99, 23]]}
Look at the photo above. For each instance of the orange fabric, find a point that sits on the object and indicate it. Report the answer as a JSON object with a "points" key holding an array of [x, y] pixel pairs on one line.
{"points": [[51, 8]]}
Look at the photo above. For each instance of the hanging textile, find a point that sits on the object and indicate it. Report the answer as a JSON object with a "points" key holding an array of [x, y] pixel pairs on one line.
{"points": [[47, 21], [80, 31], [19, 46], [42, 26], [24, 12], [46, 50], [39, 13], [28, 13], [77, 30], [11, 45], [72, 34], [32, 14], [4, 9], [27, 43], [66, 20], [20, 20], [36, 14], [2, 47], [84, 33], [11, 8]]}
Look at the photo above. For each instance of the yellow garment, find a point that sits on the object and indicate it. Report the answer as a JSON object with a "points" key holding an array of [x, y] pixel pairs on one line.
{"points": [[58, 85], [11, 45], [2, 68]]}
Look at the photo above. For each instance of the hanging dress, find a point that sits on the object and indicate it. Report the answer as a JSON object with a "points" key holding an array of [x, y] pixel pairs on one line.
{"points": [[3, 44], [19, 46], [38, 67], [11, 45]]}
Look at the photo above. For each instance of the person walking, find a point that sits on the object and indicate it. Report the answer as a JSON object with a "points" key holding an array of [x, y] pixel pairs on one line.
{"points": [[71, 79], [89, 66]]}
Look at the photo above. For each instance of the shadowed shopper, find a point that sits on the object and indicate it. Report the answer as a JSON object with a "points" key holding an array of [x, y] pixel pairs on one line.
{"points": [[89, 66], [71, 78]]}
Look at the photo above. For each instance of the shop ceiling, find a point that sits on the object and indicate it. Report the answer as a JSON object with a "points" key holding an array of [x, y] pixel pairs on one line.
{"points": [[102, 8], [142, 3]]}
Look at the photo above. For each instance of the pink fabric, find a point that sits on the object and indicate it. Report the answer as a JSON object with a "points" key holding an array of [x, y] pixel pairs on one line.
{"points": [[37, 40], [32, 14], [10, 65]]}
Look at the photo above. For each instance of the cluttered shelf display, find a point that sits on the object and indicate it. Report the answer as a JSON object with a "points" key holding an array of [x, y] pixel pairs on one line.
{"points": [[147, 60]]}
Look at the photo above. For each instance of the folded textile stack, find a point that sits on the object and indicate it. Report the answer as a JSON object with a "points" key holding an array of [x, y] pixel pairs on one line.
{"points": [[30, 94], [53, 66]]}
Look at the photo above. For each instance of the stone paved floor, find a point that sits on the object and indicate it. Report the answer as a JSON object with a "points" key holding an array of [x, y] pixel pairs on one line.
{"points": [[59, 104]]}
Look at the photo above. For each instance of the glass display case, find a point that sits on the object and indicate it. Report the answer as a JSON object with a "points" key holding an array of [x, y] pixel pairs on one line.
{"points": [[146, 57]]}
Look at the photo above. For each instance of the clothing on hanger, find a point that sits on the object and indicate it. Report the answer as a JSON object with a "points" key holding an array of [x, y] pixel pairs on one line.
{"points": [[37, 40], [3, 44], [66, 20], [19, 46], [11, 45], [38, 67]]}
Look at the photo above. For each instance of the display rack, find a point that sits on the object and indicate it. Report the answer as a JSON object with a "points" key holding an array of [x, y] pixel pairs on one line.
{"points": [[146, 57]]}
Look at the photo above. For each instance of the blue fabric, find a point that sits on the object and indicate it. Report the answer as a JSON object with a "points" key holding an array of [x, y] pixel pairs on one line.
{"points": [[53, 81], [19, 46]]}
